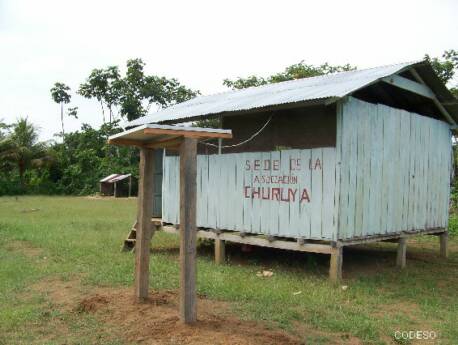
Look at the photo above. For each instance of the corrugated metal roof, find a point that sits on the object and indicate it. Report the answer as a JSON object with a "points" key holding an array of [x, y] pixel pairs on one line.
{"points": [[335, 85], [108, 178], [119, 178], [114, 178]]}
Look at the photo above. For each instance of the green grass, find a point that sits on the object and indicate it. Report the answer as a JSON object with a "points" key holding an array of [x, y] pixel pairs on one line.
{"points": [[81, 238]]}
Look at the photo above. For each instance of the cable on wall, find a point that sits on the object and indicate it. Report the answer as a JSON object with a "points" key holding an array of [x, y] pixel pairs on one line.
{"points": [[244, 141]]}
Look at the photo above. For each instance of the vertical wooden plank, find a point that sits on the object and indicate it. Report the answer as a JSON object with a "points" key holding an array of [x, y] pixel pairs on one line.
{"points": [[401, 253], [305, 182], [448, 154], [396, 193], [366, 167], [443, 239], [390, 163], [274, 216], [338, 172], [239, 161], [213, 171], [385, 200], [144, 230], [374, 152], [294, 225], [423, 159], [348, 168], [176, 190], [203, 222], [335, 264], [220, 251], [164, 187], [404, 164], [328, 228], [431, 179], [235, 192], [199, 206], [188, 230], [421, 175], [359, 169], [264, 206], [247, 184], [412, 172], [221, 192], [316, 193]]}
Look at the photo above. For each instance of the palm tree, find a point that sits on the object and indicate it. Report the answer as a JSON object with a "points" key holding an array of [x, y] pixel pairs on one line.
{"points": [[60, 95], [20, 147]]}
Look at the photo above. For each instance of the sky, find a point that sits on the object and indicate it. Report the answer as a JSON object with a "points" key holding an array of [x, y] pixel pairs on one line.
{"points": [[200, 43]]}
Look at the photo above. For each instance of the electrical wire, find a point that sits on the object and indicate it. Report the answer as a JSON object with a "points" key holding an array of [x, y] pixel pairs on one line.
{"points": [[244, 141]]}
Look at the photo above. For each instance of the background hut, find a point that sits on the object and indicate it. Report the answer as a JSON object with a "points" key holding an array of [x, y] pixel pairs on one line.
{"points": [[116, 185]]}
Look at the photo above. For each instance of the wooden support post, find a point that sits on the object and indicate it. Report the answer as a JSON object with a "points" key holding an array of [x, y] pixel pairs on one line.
{"points": [[220, 251], [401, 254], [144, 229], [335, 265], [188, 230], [443, 238]]}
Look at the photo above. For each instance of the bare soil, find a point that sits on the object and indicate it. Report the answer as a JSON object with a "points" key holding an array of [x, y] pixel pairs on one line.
{"points": [[157, 320]]}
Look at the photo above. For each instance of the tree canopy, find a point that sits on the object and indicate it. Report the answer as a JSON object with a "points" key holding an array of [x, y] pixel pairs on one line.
{"points": [[60, 94], [133, 94], [296, 71], [446, 68], [20, 147]]}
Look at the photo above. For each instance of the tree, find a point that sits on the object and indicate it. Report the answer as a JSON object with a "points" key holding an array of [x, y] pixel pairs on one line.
{"points": [[3, 128], [21, 148], [60, 95], [446, 68], [134, 93], [296, 71], [103, 85]]}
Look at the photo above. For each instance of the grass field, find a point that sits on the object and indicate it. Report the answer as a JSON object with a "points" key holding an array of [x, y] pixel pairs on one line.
{"points": [[46, 241]]}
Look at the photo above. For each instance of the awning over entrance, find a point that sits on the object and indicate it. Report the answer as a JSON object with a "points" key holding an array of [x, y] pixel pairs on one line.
{"points": [[162, 136]]}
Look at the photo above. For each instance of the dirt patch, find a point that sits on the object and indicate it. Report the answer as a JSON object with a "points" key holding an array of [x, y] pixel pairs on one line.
{"points": [[26, 249], [157, 321], [62, 294], [91, 304]]}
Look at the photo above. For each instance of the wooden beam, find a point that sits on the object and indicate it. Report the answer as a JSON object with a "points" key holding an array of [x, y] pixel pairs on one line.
{"points": [[335, 264], [144, 230], [173, 142], [125, 142], [409, 85], [443, 239], [186, 133], [401, 253], [220, 251], [188, 230], [435, 100], [378, 238], [259, 241]]}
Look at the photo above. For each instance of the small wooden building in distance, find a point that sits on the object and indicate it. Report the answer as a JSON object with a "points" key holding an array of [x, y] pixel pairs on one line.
{"points": [[116, 185], [320, 163]]}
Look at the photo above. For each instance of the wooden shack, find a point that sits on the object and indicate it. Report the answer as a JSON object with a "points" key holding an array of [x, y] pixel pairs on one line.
{"points": [[321, 163], [117, 185]]}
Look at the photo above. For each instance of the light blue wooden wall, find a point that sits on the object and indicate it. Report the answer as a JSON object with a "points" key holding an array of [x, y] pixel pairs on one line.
{"points": [[394, 172], [222, 201], [389, 172]]}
